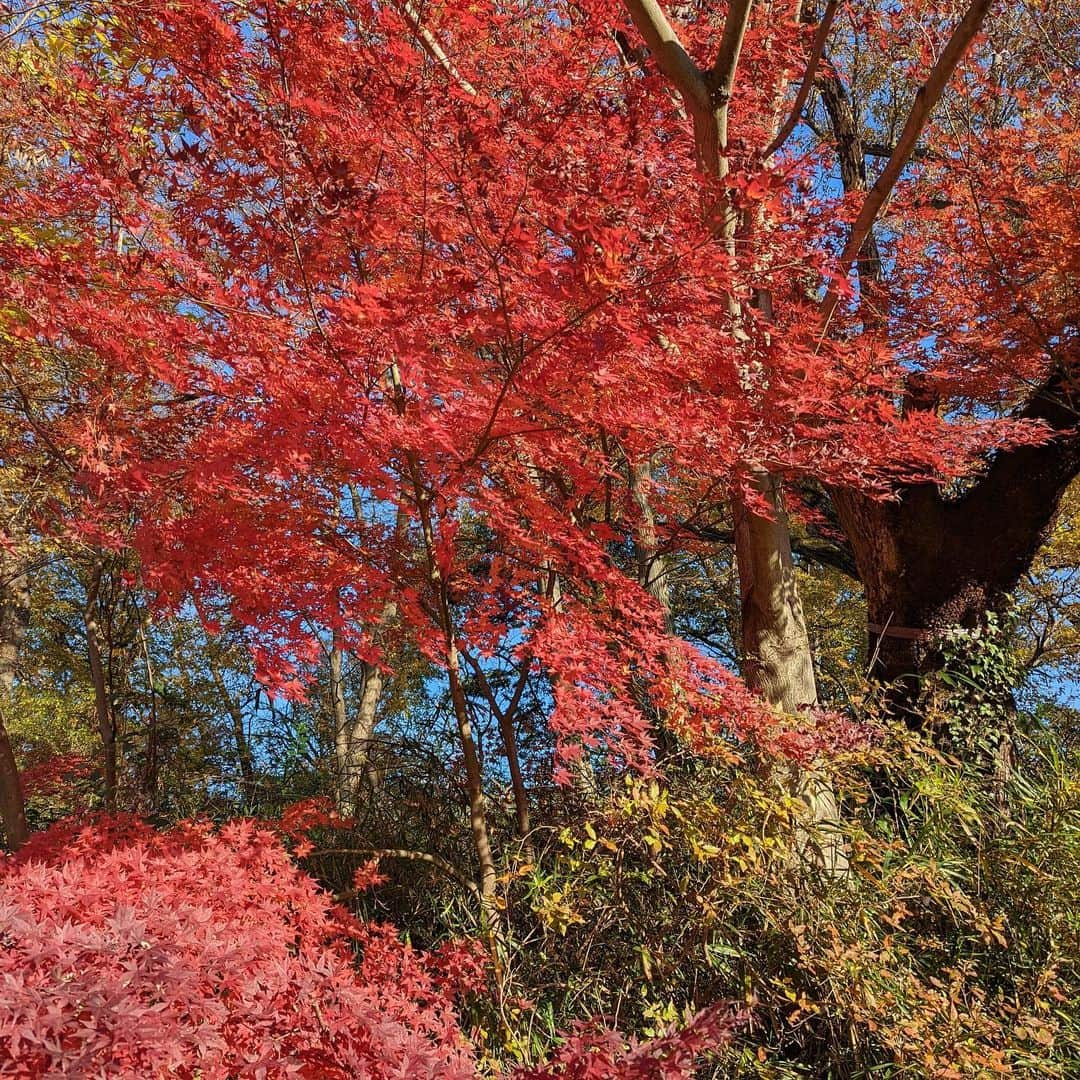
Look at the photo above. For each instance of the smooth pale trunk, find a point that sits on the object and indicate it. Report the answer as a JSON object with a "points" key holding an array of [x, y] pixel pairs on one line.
{"points": [[778, 661], [775, 641], [353, 736]]}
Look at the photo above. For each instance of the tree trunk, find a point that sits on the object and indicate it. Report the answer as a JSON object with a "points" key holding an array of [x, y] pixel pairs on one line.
{"points": [[243, 746], [506, 717], [653, 564], [654, 576], [775, 640], [928, 562], [353, 738], [152, 767], [103, 705], [12, 803], [777, 660], [924, 559], [473, 782], [508, 735], [14, 623]]}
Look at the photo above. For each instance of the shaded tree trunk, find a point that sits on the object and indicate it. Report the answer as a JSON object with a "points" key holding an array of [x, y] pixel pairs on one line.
{"points": [[14, 624], [473, 783], [508, 734], [929, 562], [152, 767], [103, 706], [244, 757]]}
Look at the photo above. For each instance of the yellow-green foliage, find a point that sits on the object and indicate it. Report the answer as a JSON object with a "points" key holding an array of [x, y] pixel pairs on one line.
{"points": [[950, 951]]}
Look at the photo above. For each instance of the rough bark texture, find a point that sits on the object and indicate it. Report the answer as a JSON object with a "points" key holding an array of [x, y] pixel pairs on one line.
{"points": [[12, 803], [928, 562], [777, 659], [14, 619]]}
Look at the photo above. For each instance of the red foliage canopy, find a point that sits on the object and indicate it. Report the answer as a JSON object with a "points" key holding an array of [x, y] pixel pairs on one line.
{"points": [[463, 271]]}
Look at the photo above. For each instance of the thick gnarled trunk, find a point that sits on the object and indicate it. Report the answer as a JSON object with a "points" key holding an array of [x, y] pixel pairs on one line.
{"points": [[929, 562]]}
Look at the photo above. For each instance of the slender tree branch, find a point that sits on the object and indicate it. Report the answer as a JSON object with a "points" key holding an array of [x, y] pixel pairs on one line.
{"points": [[927, 97], [816, 53], [883, 150], [721, 78], [430, 44]]}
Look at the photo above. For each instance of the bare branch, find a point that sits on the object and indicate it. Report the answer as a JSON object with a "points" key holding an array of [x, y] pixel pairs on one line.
{"points": [[430, 44], [816, 53], [884, 150], [929, 94]]}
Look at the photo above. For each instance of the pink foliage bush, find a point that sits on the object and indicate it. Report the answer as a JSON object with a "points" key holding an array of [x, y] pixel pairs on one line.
{"points": [[195, 953], [201, 954]]}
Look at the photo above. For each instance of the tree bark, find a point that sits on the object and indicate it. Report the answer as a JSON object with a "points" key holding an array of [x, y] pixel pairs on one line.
{"points": [[778, 662], [928, 562], [777, 659], [103, 706], [152, 767], [474, 780], [924, 559], [14, 624], [244, 756], [653, 565], [353, 737]]}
